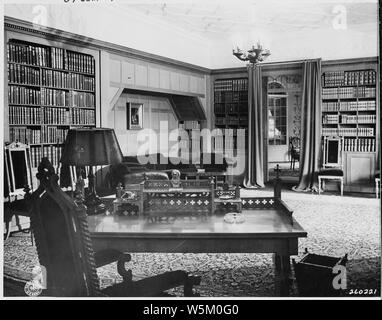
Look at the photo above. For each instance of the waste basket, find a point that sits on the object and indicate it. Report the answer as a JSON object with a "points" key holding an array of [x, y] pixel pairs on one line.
{"points": [[314, 275]]}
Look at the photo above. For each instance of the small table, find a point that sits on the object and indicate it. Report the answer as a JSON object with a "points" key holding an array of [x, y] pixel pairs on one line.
{"points": [[268, 228]]}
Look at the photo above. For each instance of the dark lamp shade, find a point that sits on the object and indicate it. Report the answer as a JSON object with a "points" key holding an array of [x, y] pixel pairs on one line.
{"points": [[91, 147]]}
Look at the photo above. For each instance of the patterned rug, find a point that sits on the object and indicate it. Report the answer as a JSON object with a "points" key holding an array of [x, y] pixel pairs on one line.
{"points": [[335, 225]]}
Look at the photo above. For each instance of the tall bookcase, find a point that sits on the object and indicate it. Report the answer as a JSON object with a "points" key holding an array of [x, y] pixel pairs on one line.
{"points": [[231, 107], [350, 109], [50, 90]]}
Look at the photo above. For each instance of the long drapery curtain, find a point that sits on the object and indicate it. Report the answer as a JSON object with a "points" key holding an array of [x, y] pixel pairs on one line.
{"points": [[254, 174], [310, 126]]}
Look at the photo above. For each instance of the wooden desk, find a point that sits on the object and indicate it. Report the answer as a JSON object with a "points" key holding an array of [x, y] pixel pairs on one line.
{"points": [[266, 230]]}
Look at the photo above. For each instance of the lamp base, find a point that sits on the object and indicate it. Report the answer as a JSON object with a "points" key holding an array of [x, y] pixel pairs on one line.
{"points": [[94, 204]]}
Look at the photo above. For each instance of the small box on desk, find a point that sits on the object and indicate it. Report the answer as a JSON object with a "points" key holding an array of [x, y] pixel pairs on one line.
{"points": [[129, 204]]}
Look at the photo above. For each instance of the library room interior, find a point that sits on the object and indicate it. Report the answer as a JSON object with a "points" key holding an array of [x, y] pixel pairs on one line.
{"points": [[191, 149]]}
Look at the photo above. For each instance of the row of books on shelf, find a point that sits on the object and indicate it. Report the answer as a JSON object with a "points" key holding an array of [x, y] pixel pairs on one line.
{"points": [[50, 57], [343, 132], [36, 136], [82, 99], [52, 152], [348, 92], [230, 108], [361, 118], [348, 119], [228, 96], [341, 78], [349, 105], [23, 74], [82, 117], [57, 58], [231, 85], [53, 97], [79, 62], [51, 78], [359, 145], [24, 135], [189, 124], [50, 97], [22, 95], [50, 115], [24, 115], [28, 54], [61, 116], [330, 119], [56, 116]]}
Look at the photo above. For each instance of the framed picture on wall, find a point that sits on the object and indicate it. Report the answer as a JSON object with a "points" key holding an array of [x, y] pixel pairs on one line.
{"points": [[134, 116]]}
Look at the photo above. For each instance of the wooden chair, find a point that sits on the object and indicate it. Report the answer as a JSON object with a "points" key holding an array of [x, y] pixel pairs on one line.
{"points": [[65, 249], [332, 165], [294, 149], [17, 183]]}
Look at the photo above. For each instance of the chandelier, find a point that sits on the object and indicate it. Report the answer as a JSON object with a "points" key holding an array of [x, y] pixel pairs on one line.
{"points": [[254, 55]]}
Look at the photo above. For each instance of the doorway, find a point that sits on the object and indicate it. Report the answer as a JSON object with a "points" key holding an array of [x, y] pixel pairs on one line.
{"points": [[277, 122]]}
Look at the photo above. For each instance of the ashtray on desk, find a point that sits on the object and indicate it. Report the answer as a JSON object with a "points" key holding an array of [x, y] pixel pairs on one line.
{"points": [[226, 197], [234, 217], [128, 195]]}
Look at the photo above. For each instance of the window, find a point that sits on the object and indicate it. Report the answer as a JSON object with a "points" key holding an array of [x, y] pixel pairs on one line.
{"points": [[277, 114]]}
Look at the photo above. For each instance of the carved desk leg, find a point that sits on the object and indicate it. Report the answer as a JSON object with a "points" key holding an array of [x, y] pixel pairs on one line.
{"points": [[282, 274]]}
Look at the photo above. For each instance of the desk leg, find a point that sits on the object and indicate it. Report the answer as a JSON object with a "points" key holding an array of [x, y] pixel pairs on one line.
{"points": [[282, 274]]}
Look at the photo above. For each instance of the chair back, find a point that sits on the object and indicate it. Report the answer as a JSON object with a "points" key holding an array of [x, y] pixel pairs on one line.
{"points": [[17, 169], [62, 238], [294, 144], [332, 153]]}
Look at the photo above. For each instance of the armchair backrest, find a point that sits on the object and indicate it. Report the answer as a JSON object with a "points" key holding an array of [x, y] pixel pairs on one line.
{"points": [[62, 238], [332, 153]]}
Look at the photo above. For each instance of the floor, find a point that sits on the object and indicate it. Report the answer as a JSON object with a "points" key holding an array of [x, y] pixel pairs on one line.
{"points": [[336, 226]]}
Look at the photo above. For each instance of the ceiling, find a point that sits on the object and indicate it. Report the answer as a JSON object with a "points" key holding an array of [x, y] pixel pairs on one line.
{"points": [[204, 32], [212, 18]]}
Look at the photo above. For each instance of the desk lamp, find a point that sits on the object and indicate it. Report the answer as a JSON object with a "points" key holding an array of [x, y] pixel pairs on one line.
{"points": [[91, 147]]}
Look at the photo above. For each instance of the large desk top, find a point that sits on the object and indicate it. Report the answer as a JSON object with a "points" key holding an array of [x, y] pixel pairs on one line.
{"points": [[259, 223]]}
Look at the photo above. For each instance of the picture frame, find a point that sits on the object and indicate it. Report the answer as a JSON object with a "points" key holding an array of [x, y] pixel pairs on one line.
{"points": [[134, 116]]}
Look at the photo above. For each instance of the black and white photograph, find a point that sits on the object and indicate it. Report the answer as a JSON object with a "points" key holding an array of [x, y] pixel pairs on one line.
{"points": [[135, 112], [171, 150]]}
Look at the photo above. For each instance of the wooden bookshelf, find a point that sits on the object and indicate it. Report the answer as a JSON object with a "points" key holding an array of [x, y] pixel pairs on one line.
{"points": [[350, 109], [231, 107], [349, 104], [50, 90]]}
